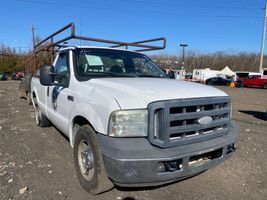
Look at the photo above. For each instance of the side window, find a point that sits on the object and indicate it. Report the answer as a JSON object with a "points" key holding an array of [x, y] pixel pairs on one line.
{"points": [[62, 69]]}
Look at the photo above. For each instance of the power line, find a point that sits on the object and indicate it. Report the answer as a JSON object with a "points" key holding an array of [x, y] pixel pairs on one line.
{"points": [[190, 5], [133, 10]]}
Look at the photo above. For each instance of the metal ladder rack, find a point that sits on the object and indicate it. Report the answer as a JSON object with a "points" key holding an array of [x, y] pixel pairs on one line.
{"points": [[49, 44]]}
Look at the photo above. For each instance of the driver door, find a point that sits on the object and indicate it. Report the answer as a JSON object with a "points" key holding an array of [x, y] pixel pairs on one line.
{"points": [[250, 80], [58, 94]]}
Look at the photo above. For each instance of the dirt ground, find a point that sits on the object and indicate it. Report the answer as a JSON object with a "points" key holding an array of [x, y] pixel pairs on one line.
{"points": [[37, 163]]}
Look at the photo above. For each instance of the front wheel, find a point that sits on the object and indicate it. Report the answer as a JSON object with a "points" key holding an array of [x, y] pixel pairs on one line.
{"points": [[89, 162], [265, 86], [239, 84]]}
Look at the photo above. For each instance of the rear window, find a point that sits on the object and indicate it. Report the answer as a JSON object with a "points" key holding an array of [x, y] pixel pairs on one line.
{"points": [[242, 75]]}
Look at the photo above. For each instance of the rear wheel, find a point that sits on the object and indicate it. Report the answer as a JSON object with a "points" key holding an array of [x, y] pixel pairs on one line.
{"points": [[265, 86], [89, 162], [40, 119], [29, 99]]}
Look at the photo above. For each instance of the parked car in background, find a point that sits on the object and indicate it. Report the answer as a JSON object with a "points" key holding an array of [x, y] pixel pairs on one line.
{"points": [[201, 75], [252, 81], [25, 88], [3, 76], [178, 74], [18, 75], [218, 81], [244, 74], [264, 73]]}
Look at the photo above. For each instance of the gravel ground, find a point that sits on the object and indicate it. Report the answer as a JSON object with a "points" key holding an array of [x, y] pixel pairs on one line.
{"points": [[37, 163]]}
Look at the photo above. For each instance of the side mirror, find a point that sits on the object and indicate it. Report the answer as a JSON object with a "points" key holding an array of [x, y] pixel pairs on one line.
{"points": [[47, 75]]}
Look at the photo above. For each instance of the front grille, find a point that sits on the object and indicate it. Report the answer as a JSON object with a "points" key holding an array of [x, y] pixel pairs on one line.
{"points": [[177, 122]]}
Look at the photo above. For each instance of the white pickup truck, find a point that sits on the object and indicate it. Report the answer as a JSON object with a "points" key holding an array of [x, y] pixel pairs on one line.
{"points": [[127, 122]]}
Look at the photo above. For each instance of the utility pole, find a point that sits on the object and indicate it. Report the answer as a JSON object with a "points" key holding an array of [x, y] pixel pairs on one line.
{"points": [[33, 36], [33, 45], [263, 38], [183, 46]]}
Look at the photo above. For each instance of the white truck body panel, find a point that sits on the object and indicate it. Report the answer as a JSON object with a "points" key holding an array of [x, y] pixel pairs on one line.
{"points": [[134, 93]]}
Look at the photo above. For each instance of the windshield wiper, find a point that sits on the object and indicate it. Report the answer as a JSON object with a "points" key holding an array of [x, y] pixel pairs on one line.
{"points": [[119, 74], [109, 73]]}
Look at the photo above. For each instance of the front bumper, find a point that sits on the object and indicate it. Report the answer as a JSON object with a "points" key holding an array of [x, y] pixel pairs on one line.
{"points": [[134, 162]]}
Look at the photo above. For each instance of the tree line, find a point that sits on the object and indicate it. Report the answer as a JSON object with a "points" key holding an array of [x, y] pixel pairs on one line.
{"points": [[12, 60], [241, 61]]}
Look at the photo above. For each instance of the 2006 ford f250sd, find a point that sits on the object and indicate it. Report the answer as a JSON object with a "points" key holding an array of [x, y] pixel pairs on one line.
{"points": [[127, 122]]}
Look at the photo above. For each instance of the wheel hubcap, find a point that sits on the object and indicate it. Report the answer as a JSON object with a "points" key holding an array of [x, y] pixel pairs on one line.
{"points": [[86, 160]]}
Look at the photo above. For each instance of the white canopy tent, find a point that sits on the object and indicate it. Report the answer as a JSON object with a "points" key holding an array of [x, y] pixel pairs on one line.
{"points": [[227, 72]]}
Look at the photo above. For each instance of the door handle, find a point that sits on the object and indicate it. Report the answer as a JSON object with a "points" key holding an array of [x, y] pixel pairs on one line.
{"points": [[70, 98]]}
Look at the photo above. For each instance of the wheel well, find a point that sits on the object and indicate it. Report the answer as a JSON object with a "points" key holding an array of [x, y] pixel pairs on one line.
{"points": [[77, 122]]}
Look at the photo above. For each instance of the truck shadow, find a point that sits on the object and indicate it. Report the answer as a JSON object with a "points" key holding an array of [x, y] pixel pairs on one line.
{"points": [[131, 189], [64, 136], [256, 114]]}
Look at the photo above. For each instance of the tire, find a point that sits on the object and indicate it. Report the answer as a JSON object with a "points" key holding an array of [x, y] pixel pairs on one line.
{"points": [[265, 86], [239, 84], [40, 119], [29, 99], [89, 162]]}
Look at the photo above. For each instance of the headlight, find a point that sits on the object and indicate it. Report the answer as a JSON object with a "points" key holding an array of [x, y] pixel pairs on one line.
{"points": [[128, 123]]}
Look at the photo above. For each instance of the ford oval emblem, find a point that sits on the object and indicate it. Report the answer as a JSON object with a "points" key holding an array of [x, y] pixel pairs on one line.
{"points": [[204, 120]]}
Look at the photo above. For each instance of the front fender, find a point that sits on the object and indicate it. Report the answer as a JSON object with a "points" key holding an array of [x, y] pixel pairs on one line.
{"points": [[96, 114]]}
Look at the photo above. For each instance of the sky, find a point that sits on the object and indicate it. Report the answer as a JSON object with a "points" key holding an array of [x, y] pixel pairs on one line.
{"points": [[205, 25]]}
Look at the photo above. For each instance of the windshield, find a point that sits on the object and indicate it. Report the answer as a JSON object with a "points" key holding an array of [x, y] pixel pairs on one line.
{"points": [[114, 63]]}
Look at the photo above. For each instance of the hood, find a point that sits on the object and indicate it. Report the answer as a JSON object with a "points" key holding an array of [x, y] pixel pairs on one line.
{"points": [[134, 93]]}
